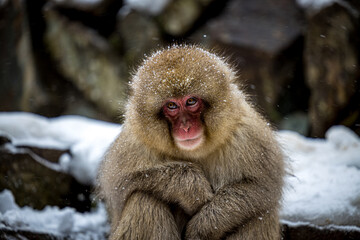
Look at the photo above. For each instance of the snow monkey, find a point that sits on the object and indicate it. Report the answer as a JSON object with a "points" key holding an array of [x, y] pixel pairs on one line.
{"points": [[194, 159]]}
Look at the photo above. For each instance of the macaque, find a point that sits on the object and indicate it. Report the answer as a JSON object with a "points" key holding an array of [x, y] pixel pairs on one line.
{"points": [[194, 160]]}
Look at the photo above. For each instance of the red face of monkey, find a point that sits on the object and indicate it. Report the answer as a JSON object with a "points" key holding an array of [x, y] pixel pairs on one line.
{"points": [[184, 116]]}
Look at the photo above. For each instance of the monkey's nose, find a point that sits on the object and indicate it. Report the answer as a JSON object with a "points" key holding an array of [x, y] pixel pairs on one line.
{"points": [[185, 126]]}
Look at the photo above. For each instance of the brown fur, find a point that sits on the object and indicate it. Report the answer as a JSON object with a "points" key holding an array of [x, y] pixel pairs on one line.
{"points": [[229, 187]]}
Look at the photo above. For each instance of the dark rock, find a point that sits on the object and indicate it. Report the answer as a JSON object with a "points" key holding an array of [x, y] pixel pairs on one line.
{"points": [[80, 5], [4, 139], [13, 234], [98, 15], [269, 26], [136, 35], [99, 7], [264, 40], [305, 232], [332, 68], [88, 61], [18, 87], [180, 15], [36, 179], [28, 78], [354, 4]]}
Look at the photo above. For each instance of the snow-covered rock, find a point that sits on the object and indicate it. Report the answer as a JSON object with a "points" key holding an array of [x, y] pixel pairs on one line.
{"points": [[86, 138], [52, 220]]}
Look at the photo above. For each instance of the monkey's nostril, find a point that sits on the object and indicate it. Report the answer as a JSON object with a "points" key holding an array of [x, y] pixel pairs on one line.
{"points": [[186, 129], [185, 126]]}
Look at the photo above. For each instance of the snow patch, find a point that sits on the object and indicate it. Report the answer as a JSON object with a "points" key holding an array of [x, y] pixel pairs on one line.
{"points": [[325, 188], [7, 202], [52, 220], [152, 7], [316, 4], [86, 138]]}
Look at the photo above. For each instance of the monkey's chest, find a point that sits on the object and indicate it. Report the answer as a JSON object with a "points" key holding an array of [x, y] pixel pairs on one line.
{"points": [[220, 175]]}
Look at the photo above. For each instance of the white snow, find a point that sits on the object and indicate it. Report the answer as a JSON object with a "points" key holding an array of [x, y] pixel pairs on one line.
{"points": [[152, 7], [87, 139], [316, 4], [52, 220], [324, 188]]}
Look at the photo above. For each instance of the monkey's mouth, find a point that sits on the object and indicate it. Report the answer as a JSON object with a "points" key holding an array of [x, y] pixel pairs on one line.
{"points": [[189, 144]]}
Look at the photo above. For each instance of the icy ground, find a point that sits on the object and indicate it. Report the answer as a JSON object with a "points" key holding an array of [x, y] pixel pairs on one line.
{"points": [[323, 188]]}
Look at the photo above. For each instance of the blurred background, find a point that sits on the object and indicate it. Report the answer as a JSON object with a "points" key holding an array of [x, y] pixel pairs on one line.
{"points": [[298, 58]]}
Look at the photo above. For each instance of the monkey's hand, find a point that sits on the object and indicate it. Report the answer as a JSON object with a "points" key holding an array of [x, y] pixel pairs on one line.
{"points": [[231, 206], [177, 182]]}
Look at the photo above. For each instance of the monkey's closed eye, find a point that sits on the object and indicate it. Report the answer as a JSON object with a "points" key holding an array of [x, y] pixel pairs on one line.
{"points": [[191, 101], [171, 105]]}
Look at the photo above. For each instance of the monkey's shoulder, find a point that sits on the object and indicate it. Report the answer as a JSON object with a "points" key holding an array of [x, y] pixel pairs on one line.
{"points": [[253, 144]]}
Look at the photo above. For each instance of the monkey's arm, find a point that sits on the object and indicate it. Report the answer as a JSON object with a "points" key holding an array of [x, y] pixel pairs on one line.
{"points": [[182, 183], [232, 206]]}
